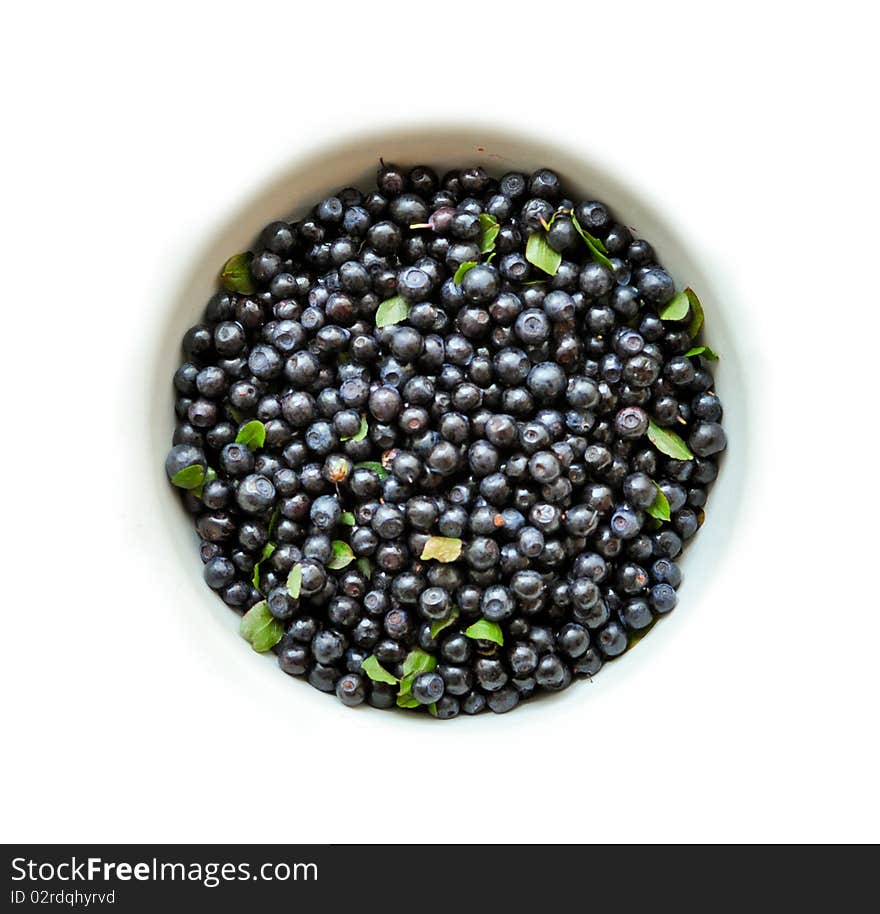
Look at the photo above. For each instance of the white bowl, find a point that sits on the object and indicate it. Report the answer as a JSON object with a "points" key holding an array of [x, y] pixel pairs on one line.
{"points": [[352, 160]]}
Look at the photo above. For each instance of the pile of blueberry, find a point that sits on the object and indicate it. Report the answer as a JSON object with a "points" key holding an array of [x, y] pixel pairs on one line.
{"points": [[443, 442]]}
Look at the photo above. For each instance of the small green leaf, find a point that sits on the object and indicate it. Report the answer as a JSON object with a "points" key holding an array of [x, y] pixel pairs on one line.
{"points": [[418, 661], [295, 580], [260, 627], [668, 442], [437, 627], [697, 316], [268, 549], [374, 467], [596, 246], [660, 508], [273, 522], [361, 433], [405, 700], [677, 309], [432, 709], [364, 568], [236, 274], [705, 351], [341, 555], [377, 672], [539, 253], [347, 518], [484, 630], [464, 268], [392, 311], [491, 257], [442, 548], [210, 476], [190, 477], [489, 229], [252, 434]]}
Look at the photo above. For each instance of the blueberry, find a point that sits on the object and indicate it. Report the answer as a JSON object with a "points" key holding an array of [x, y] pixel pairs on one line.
{"points": [[327, 646], [656, 286], [497, 603], [182, 456], [707, 439], [612, 640], [490, 674], [546, 381], [481, 283], [219, 572], [663, 597], [505, 699], [572, 639], [255, 494], [351, 689], [550, 672], [325, 512], [428, 688]]}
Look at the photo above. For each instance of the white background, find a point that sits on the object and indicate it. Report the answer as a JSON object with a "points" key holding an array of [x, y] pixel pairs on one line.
{"points": [[131, 129]]}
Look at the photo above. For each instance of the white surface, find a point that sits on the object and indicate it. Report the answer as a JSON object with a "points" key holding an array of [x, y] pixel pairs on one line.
{"points": [[132, 711]]}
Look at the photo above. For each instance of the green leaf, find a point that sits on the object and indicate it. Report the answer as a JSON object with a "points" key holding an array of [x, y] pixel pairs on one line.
{"points": [[295, 580], [442, 548], [596, 246], [489, 229], [210, 476], [273, 522], [268, 549], [361, 433], [491, 257], [432, 709], [260, 627], [484, 630], [705, 351], [364, 568], [539, 253], [377, 672], [341, 555], [418, 661], [660, 508], [236, 274], [405, 700], [437, 627], [347, 518], [697, 316], [374, 467], [668, 442], [459, 273], [190, 477], [392, 311], [677, 309], [252, 434]]}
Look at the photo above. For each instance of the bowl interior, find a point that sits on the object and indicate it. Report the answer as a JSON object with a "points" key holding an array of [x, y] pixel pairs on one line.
{"points": [[311, 176]]}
